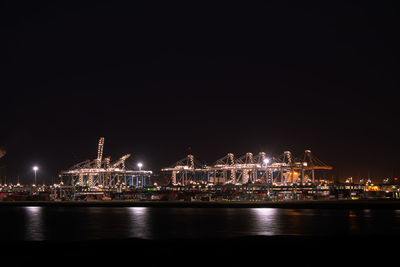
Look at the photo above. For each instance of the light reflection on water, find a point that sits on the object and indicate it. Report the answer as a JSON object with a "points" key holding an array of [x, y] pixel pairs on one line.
{"points": [[34, 223], [397, 213], [138, 224], [265, 222], [86, 223]]}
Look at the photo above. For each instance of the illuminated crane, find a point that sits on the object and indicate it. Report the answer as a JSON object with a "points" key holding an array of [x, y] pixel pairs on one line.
{"points": [[101, 173], [100, 152], [248, 168], [185, 170], [121, 162]]}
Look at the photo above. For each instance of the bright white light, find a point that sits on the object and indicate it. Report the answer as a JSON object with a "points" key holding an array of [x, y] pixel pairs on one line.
{"points": [[35, 168], [266, 161], [140, 165]]}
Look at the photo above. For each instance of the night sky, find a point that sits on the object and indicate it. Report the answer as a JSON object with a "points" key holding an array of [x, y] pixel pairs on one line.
{"points": [[159, 80]]}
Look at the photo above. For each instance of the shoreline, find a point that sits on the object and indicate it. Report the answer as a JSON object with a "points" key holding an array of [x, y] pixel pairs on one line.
{"points": [[299, 204]]}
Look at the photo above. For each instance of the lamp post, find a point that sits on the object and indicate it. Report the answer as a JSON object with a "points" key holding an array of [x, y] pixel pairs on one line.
{"points": [[35, 169], [140, 165]]}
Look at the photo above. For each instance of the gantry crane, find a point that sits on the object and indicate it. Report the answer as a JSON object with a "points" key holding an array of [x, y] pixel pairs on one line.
{"points": [[248, 168], [101, 172]]}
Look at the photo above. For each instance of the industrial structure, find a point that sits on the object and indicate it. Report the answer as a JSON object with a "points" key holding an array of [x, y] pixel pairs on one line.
{"points": [[102, 173], [250, 177], [248, 168]]}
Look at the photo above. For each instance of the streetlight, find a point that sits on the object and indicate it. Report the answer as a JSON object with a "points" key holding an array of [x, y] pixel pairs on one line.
{"points": [[35, 169], [140, 165]]}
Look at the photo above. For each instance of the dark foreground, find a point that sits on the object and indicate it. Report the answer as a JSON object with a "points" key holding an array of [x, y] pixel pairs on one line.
{"points": [[299, 250], [306, 204]]}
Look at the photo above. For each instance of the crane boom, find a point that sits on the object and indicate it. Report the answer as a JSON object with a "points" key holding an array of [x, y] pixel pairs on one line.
{"points": [[121, 161], [100, 152]]}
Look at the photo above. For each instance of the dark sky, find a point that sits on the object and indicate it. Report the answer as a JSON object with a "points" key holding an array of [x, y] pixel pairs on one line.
{"points": [[155, 78]]}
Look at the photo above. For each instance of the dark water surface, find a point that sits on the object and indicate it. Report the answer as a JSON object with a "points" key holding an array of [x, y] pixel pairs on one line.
{"points": [[87, 223]]}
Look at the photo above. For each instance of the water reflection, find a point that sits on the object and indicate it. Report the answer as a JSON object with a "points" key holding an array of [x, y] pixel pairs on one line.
{"points": [[139, 222], [397, 213], [87, 223], [367, 213], [34, 225], [265, 221], [353, 224]]}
